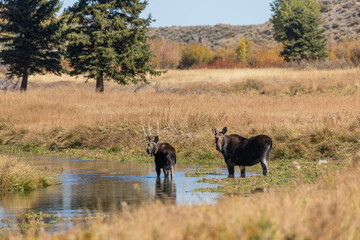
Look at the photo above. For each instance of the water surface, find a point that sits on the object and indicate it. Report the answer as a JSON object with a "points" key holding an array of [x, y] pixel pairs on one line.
{"points": [[102, 186]]}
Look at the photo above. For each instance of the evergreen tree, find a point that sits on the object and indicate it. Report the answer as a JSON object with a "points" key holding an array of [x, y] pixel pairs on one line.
{"points": [[28, 34], [107, 39], [296, 25]]}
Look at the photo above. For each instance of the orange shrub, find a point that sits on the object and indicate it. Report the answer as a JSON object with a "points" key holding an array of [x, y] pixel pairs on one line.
{"points": [[167, 54], [348, 50], [224, 57], [226, 53], [266, 56], [171, 55]]}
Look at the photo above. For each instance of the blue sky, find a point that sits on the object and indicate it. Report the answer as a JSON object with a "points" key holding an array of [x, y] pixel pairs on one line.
{"points": [[204, 12]]}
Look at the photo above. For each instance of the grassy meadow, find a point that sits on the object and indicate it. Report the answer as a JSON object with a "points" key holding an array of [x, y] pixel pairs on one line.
{"points": [[311, 115]]}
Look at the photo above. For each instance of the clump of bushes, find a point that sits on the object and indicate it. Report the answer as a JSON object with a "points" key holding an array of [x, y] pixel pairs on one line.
{"points": [[171, 55], [195, 54], [167, 54], [348, 50]]}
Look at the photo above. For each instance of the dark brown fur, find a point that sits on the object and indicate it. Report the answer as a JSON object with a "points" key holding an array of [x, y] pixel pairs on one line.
{"points": [[165, 156], [240, 151]]}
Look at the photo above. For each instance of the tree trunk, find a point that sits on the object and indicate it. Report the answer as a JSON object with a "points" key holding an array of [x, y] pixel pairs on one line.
{"points": [[100, 83], [24, 80]]}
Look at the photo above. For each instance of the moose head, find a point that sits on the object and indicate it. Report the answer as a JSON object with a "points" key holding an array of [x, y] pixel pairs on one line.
{"points": [[219, 138], [152, 145]]}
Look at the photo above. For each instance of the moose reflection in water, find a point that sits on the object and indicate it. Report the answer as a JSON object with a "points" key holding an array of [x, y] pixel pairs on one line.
{"points": [[165, 190], [240, 151]]}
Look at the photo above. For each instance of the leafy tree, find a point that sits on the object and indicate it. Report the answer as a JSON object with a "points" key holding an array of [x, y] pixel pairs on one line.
{"points": [[195, 54], [296, 25], [107, 39], [243, 50], [28, 34]]}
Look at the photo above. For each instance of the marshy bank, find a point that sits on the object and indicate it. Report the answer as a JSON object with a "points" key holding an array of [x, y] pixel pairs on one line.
{"points": [[93, 188], [19, 176], [62, 116], [327, 209]]}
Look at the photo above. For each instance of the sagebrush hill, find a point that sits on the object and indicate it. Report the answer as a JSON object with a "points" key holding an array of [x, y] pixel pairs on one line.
{"points": [[341, 20]]}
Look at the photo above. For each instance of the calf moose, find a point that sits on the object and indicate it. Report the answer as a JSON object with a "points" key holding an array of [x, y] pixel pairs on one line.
{"points": [[165, 156], [240, 151]]}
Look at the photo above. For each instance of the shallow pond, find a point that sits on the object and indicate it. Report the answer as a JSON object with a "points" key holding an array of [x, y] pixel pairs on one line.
{"points": [[103, 186]]}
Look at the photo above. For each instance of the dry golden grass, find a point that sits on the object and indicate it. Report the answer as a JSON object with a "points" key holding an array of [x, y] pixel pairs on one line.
{"points": [[309, 114], [283, 76], [16, 175], [328, 209], [275, 77], [67, 112]]}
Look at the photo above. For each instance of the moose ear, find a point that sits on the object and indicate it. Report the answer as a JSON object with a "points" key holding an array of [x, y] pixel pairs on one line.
{"points": [[214, 130], [156, 139], [224, 130], [148, 138]]}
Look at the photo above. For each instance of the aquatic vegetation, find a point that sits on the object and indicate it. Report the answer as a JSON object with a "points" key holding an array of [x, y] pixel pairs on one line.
{"points": [[281, 174], [202, 173], [39, 220], [35, 219]]}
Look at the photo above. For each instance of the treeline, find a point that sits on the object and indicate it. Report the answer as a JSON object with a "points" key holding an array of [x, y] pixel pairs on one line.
{"points": [[108, 40], [100, 40], [299, 39], [244, 54]]}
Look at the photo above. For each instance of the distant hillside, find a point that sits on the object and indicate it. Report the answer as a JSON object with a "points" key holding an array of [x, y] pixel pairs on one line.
{"points": [[341, 19]]}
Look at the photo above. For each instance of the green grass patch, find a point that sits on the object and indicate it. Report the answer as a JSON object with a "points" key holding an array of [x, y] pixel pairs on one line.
{"points": [[35, 219], [202, 173], [281, 174], [323, 143]]}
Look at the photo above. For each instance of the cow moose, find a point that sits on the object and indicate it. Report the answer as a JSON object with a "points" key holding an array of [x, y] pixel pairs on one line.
{"points": [[240, 151], [165, 156]]}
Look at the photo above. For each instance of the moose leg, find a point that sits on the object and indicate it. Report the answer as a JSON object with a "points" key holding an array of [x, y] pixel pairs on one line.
{"points": [[242, 170], [265, 160], [264, 166], [166, 172], [172, 171], [170, 162], [158, 171], [230, 169]]}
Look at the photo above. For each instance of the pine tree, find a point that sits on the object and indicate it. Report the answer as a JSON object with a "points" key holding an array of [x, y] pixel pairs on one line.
{"points": [[28, 34], [107, 39], [296, 25]]}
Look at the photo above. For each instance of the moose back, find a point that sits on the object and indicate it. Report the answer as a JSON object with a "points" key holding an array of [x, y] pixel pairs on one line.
{"points": [[240, 151]]}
